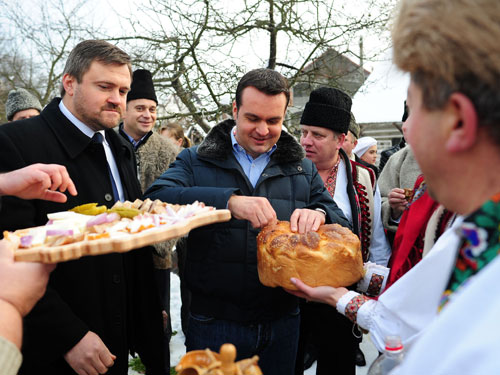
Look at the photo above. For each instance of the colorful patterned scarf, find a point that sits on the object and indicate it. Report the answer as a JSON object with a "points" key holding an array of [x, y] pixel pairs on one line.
{"points": [[481, 244]]}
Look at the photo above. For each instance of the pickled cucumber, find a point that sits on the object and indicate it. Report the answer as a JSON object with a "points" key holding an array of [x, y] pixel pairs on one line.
{"points": [[125, 212], [89, 209]]}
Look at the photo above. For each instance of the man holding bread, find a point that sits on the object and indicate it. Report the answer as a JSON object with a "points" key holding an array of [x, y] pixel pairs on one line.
{"points": [[249, 166], [446, 307], [324, 125]]}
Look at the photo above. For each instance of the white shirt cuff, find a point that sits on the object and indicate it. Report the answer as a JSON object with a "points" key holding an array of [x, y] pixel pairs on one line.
{"points": [[344, 300]]}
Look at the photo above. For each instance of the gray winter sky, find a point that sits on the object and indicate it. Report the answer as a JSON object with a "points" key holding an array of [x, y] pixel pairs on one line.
{"points": [[379, 100]]}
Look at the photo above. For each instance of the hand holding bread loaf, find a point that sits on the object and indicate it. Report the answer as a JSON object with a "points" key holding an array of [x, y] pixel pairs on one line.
{"points": [[331, 256]]}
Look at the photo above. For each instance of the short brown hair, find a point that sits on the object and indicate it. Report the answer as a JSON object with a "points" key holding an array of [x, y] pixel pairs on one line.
{"points": [[452, 46], [88, 51], [268, 81], [176, 129]]}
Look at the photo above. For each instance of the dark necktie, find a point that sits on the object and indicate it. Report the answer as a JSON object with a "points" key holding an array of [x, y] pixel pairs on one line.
{"points": [[98, 138]]}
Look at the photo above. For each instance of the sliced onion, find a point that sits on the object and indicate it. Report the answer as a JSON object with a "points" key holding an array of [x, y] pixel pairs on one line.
{"points": [[113, 216], [26, 241], [59, 232], [50, 222], [156, 220], [171, 211], [98, 220]]}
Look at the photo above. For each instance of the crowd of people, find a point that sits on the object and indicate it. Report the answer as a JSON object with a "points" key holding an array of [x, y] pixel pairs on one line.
{"points": [[429, 216]]}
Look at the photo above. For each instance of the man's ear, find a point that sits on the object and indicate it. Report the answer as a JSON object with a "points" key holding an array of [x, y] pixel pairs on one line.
{"points": [[463, 132], [341, 138], [69, 82], [235, 110]]}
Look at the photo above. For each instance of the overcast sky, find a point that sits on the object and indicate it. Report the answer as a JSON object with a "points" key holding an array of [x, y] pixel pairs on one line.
{"points": [[379, 100], [382, 96]]}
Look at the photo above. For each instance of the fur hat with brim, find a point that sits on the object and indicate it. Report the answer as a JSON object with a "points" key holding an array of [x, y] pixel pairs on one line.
{"points": [[328, 108], [142, 86], [353, 126], [19, 100]]}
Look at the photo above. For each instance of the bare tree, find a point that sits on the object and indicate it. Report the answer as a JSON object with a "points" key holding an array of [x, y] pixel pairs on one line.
{"points": [[36, 42], [198, 49]]}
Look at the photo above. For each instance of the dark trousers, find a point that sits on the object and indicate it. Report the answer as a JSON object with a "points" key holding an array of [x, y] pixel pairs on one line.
{"points": [[275, 342], [331, 334], [181, 249]]}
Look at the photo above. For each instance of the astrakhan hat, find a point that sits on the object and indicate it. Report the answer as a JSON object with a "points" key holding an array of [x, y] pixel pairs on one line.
{"points": [[354, 127], [142, 86], [328, 108]]}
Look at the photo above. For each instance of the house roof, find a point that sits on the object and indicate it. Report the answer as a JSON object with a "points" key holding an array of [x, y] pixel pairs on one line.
{"points": [[331, 52]]}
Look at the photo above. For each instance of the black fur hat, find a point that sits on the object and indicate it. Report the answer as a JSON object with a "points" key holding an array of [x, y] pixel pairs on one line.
{"points": [[142, 86], [328, 108], [405, 113]]}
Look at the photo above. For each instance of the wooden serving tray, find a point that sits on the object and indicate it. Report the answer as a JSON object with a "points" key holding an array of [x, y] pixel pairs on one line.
{"points": [[56, 254]]}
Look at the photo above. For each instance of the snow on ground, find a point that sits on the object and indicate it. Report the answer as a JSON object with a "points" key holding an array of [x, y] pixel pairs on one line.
{"points": [[177, 348]]}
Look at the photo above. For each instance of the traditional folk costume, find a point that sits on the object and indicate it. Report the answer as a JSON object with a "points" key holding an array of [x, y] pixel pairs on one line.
{"points": [[352, 187], [422, 223], [457, 277]]}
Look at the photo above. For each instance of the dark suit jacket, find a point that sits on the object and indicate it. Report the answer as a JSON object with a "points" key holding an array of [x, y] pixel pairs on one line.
{"points": [[112, 295]]}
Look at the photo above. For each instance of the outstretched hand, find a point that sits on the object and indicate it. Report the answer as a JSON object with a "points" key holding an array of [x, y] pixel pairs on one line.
{"points": [[323, 294], [38, 181]]}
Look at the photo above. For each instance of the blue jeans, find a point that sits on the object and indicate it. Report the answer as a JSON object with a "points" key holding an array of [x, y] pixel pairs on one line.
{"points": [[275, 342]]}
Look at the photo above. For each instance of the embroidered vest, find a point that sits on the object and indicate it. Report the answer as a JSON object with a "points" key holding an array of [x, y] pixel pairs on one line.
{"points": [[481, 244]]}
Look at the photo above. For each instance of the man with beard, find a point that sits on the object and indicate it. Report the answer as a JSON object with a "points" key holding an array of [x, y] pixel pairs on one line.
{"points": [[97, 309]]}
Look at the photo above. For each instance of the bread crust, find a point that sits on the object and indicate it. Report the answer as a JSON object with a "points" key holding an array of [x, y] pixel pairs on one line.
{"points": [[331, 256], [409, 194]]}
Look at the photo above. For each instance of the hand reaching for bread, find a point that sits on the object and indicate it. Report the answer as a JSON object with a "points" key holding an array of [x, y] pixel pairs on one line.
{"points": [[304, 220], [257, 210]]}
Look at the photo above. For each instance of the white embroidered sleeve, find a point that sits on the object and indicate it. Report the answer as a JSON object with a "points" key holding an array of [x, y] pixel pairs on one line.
{"points": [[344, 300]]}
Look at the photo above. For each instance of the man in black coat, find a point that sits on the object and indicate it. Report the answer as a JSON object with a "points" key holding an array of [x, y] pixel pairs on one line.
{"points": [[96, 309]]}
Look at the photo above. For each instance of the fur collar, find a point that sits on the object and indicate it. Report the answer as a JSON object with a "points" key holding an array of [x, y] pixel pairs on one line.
{"points": [[217, 145]]}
